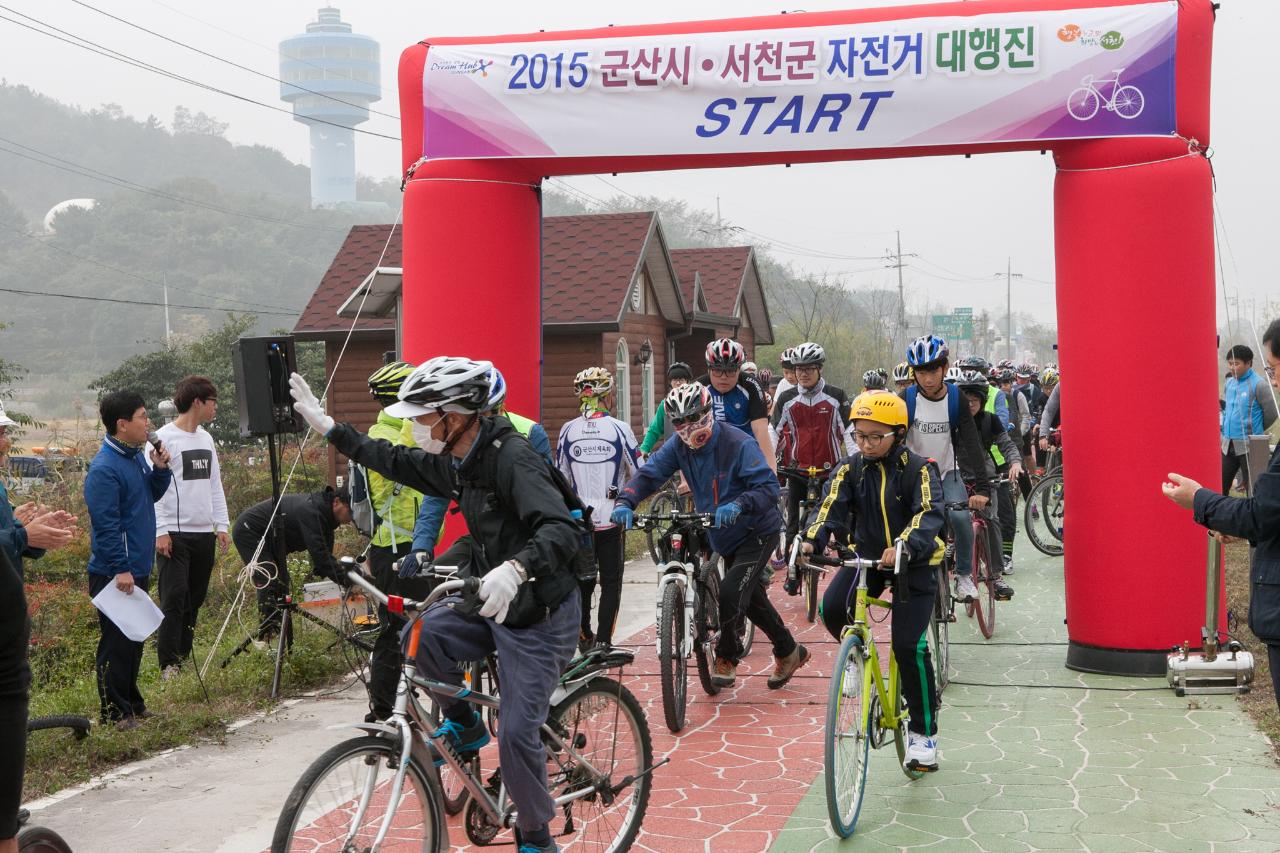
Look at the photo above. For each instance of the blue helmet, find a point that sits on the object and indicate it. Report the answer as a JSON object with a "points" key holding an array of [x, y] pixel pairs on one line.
{"points": [[497, 390], [926, 350]]}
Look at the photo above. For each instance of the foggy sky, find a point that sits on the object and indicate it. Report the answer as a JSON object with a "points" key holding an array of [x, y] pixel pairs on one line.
{"points": [[963, 217]]}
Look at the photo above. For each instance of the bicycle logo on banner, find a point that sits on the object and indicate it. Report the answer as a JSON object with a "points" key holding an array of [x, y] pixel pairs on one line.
{"points": [[1126, 101]]}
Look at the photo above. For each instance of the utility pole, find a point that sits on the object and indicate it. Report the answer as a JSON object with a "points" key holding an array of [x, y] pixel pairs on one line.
{"points": [[164, 278], [896, 257], [1009, 276]]}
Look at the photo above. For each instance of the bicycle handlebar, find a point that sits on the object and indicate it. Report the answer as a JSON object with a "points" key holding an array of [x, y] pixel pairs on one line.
{"points": [[701, 519], [855, 562], [400, 604], [810, 472]]}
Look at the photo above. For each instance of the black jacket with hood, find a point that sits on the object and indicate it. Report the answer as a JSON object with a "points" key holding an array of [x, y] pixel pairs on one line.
{"points": [[513, 509], [306, 524]]}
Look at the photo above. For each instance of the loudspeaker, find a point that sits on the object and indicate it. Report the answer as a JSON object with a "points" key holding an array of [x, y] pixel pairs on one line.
{"points": [[262, 367]]}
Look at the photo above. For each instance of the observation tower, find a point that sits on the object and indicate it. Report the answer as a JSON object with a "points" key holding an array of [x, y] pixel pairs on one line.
{"points": [[341, 71]]}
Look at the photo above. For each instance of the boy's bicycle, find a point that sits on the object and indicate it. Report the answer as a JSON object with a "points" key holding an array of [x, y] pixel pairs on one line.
{"points": [[811, 479], [383, 788], [688, 609], [863, 704], [988, 564]]}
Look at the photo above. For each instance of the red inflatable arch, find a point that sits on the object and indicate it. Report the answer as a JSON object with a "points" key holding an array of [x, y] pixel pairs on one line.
{"points": [[1134, 247]]}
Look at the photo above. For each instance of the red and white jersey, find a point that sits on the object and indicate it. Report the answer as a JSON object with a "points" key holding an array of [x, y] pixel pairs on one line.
{"points": [[811, 428]]}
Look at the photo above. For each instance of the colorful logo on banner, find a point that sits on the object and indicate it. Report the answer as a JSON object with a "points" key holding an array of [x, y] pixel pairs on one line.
{"points": [[1000, 77]]}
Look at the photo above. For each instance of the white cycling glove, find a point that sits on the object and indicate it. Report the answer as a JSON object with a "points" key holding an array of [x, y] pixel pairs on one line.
{"points": [[308, 406], [498, 590]]}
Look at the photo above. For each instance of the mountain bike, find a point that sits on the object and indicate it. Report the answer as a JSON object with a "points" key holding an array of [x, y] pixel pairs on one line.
{"points": [[863, 703], [383, 788], [988, 564], [688, 609], [1043, 514], [664, 502], [811, 479]]}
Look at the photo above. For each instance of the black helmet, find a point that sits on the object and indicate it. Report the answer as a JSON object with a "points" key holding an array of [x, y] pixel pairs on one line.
{"points": [[679, 370], [975, 362], [873, 380]]}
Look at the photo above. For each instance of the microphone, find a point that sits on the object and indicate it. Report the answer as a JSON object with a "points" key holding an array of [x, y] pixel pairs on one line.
{"points": [[154, 438]]}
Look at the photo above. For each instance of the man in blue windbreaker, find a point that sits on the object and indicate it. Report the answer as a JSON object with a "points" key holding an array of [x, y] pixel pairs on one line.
{"points": [[728, 474], [120, 494]]}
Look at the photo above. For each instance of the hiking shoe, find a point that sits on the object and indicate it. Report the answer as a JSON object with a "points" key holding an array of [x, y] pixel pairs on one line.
{"points": [[533, 848], [965, 590], [791, 586], [922, 753], [786, 667], [463, 738], [127, 724], [1004, 592], [724, 673], [1008, 564]]}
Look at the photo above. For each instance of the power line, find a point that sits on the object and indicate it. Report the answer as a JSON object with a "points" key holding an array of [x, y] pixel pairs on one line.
{"points": [[247, 40], [44, 244], [110, 53], [124, 183], [228, 61], [133, 301]]}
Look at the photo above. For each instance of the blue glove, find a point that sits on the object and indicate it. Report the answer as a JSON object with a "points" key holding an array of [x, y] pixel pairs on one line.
{"points": [[727, 514], [414, 562], [623, 516]]}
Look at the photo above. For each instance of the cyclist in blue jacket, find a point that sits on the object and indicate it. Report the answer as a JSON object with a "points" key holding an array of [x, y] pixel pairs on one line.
{"points": [[728, 474]]}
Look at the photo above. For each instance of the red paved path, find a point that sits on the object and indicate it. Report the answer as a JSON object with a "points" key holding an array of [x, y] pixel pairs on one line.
{"points": [[744, 759]]}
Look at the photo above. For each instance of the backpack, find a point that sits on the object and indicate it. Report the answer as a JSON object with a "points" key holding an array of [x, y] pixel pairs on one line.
{"points": [[364, 515], [953, 404]]}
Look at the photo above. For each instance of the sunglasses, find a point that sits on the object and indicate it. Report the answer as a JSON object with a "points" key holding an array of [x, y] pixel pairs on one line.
{"points": [[691, 419]]}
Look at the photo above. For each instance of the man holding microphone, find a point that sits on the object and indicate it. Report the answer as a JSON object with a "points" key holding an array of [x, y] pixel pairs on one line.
{"points": [[120, 493]]}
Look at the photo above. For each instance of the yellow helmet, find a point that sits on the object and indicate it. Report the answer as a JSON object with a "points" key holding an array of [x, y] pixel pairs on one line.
{"points": [[881, 407]]}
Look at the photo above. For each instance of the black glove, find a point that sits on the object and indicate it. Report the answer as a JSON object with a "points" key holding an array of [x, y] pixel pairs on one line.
{"points": [[415, 563]]}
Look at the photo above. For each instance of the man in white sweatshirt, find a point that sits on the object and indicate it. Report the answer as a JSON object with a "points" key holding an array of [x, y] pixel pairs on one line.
{"points": [[191, 520]]}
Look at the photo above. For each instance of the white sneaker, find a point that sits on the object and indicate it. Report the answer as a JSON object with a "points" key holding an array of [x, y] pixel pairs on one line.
{"points": [[965, 590], [1008, 564], [922, 753]]}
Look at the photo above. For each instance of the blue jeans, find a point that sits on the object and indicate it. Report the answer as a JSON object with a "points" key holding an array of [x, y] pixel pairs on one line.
{"points": [[953, 491], [530, 661]]}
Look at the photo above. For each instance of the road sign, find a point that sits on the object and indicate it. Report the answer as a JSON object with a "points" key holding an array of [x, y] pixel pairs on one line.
{"points": [[953, 327], [962, 312]]}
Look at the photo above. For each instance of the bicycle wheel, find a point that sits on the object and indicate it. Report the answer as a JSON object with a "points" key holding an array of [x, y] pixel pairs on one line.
{"points": [[1083, 103], [706, 624], [322, 808], [811, 595], [900, 731], [939, 635], [39, 839], [987, 568], [1054, 507], [671, 664], [605, 725], [1128, 101], [846, 745], [663, 502], [1036, 514], [79, 725]]}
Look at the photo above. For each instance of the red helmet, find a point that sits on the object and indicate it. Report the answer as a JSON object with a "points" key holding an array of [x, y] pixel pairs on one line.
{"points": [[725, 354]]}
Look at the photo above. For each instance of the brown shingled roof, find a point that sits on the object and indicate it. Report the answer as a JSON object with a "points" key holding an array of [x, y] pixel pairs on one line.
{"points": [[353, 263], [721, 271], [588, 263]]}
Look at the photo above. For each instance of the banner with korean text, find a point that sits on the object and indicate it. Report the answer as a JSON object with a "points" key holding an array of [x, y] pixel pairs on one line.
{"points": [[1003, 77]]}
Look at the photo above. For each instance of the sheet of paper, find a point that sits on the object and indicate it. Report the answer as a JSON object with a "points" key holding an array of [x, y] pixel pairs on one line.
{"points": [[136, 615]]}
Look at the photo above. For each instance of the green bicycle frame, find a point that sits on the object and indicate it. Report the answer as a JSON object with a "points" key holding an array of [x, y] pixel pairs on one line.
{"points": [[890, 716]]}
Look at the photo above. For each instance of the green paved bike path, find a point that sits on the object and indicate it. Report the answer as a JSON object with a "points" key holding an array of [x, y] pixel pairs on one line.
{"points": [[1096, 764]]}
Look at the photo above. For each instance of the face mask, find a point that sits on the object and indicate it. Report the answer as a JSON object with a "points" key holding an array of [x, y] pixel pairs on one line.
{"points": [[422, 436], [698, 433]]}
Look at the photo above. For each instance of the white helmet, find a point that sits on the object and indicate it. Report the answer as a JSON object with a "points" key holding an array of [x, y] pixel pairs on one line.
{"points": [[953, 374], [808, 353], [902, 372], [446, 383], [749, 367], [688, 401]]}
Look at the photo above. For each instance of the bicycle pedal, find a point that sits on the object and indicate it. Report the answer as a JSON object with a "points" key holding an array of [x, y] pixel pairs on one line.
{"points": [[917, 767]]}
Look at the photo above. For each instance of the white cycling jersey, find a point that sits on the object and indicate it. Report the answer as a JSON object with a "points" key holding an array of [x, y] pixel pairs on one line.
{"points": [[597, 454]]}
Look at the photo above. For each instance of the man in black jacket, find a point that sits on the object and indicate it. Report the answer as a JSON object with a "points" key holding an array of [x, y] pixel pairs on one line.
{"points": [[305, 523], [1256, 519], [520, 544]]}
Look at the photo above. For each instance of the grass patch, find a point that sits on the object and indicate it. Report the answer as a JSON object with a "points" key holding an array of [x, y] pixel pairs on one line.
{"points": [[65, 634], [1260, 702]]}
